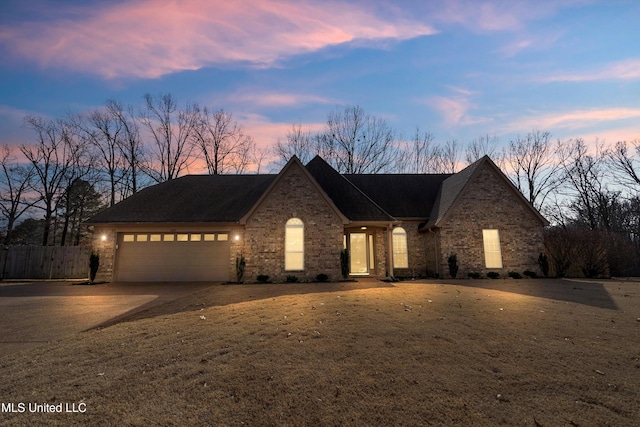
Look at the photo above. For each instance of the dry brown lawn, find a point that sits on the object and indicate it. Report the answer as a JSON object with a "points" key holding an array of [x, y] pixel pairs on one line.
{"points": [[506, 352]]}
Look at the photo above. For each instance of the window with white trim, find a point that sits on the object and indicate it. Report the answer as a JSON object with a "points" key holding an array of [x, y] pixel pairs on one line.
{"points": [[492, 252], [399, 243], [294, 245]]}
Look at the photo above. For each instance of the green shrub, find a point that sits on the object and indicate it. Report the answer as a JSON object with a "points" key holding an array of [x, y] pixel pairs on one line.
{"points": [[531, 274], [493, 275], [322, 277], [263, 278], [344, 263], [473, 275], [515, 275], [292, 279], [453, 265]]}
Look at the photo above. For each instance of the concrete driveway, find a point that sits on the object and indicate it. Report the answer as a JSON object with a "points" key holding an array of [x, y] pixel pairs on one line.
{"points": [[37, 313]]}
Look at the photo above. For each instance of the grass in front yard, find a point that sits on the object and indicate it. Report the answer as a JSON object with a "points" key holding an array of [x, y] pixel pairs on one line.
{"points": [[528, 352]]}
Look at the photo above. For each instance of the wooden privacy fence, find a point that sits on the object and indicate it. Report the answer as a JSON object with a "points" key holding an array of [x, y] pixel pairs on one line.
{"points": [[45, 262]]}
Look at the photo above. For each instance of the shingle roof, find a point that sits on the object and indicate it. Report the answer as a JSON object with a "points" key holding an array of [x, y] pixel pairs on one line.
{"points": [[191, 198], [401, 195], [450, 190], [350, 200], [360, 198]]}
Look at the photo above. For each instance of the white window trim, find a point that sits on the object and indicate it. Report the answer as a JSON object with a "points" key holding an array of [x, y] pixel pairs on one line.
{"points": [[400, 248], [293, 224], [492, 248]]}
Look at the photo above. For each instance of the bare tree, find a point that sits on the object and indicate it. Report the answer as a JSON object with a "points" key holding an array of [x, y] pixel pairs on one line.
{"points": [[221, 142], [102, 130], [356, 142], [55, 158], [419, 155], [297, 142], [532, 159], [583, 176], [171, 129], [484, 145], [259, 156], [15, 182], [447, 157], [130, 145], [81, 167], [626, 161]]}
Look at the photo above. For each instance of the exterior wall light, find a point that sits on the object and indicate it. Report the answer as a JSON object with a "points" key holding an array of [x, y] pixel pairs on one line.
{"points": [[237, 237], [103, 237]]}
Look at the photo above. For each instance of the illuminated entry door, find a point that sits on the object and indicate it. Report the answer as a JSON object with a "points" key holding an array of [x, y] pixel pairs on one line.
{"points": [[358, 246]]}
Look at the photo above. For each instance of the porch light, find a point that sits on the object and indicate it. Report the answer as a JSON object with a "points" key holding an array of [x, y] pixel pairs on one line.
{"points": [[237, 237], [363, 228], [103, 237]]}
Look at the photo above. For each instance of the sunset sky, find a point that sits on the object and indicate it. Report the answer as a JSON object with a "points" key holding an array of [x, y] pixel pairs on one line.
{"points": [[460, 68]]}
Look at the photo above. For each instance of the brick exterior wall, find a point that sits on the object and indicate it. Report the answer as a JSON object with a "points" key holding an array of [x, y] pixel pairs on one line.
{"points": [[294, 196], [488, 203], [106, 249], [380, 243], [417, 251]]}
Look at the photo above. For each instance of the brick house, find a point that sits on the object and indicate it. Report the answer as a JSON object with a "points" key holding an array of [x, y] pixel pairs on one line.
{"points": [[297, 222]]}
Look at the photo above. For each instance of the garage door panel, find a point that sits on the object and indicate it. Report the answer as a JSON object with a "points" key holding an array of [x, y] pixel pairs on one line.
{"points": [[172, 260]]}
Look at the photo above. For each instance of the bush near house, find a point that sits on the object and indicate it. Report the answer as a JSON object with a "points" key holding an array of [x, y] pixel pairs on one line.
{"points": [[473, 275], [263, 278], [493, 275], [514, 275], [94, 264], [344, 263], [453, 265], [240, 266], [322, 277], [543, 261]]}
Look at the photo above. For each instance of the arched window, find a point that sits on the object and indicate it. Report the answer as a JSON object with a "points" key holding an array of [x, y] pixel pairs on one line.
{"points": [[399, 243], [294, 245]]}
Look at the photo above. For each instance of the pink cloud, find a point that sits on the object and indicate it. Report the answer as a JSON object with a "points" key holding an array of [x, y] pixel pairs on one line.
{"points": [[621, 70], [455, 110], [574, 119], [275, 99], [611, 136], [265, 132], [151, 38]]}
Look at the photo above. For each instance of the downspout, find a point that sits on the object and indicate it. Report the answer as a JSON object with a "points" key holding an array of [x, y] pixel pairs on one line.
{"points": [[390, 250], [436, 250]]}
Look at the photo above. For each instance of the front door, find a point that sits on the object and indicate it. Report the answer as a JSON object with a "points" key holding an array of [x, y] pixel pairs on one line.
{"points": [[358, 252]]}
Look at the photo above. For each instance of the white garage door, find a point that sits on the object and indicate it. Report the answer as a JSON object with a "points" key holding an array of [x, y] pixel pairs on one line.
{"points": [[172, 257]]}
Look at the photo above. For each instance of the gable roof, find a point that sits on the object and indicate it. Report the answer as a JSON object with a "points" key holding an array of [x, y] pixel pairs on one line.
{"points": [[191, 198], [452, 187], [351, 200], [295, 162], [449, 192], [355, 198]]}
